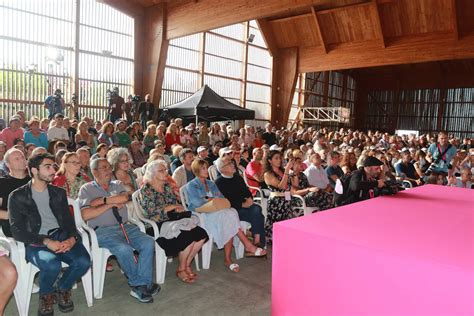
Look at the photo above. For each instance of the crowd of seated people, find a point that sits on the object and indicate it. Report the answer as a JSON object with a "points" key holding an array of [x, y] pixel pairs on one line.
{"points": [[101, 164]]}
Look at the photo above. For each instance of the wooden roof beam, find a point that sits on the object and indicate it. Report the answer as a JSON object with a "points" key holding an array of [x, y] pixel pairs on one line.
{"points": [[431, 47], [319, 30], [377, 22], [197, 16], [454, 16], [268, 37], [128, 7]]}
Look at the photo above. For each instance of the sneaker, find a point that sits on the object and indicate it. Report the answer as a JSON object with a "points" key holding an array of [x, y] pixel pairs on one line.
{"points": [[141, 294], [65, 303], [153, 289], [45, 307]]}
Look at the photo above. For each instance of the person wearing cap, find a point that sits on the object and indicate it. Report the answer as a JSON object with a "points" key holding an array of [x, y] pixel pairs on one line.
{"points": [[55, 104], [14, 131], [35, 135], [365, 181], [57, 131], [203, 153]]}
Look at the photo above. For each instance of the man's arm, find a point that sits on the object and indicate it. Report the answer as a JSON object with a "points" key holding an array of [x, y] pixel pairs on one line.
{"points": [[4, 214]]}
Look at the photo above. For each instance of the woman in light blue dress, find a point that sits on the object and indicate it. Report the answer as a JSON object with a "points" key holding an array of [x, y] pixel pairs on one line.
{"points": [[222, 224]]}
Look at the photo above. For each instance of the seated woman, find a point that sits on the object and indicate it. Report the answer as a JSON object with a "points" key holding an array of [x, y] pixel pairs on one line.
{"points": [[279, 207], [107, 136], [121, 162], [182, 238], [221, 221], [69, 176], [313, 196]]}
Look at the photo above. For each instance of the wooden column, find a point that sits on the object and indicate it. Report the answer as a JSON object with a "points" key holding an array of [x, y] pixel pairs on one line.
{"points": [[77, 25], [361, 104], [326, 89], [285, 75], [152, 48]]}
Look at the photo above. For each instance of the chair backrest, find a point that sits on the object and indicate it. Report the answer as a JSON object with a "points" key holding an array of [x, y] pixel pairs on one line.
{"points": [[77, 212], [138, 172], [183, 194], [138, 210], [212, 172]]}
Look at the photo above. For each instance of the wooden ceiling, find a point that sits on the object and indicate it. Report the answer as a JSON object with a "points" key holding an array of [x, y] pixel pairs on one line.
{"points": [[334, 34]]}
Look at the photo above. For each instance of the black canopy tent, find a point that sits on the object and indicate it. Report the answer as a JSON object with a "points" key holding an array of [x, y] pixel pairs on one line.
{"points": [[207, 105]]}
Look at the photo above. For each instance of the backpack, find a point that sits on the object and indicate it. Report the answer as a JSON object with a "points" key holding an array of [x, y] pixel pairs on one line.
{"points": [[342, 197]]}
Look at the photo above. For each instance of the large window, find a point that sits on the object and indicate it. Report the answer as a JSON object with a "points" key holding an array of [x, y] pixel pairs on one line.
{"points": [[236, 68], [39, 46]]}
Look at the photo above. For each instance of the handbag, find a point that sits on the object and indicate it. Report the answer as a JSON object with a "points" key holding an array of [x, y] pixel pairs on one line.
{"points": [[214, 205], [176, 216]]}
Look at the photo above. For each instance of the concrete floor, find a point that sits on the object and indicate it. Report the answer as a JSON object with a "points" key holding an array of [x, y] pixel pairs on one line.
{"points": [[217, 292]]}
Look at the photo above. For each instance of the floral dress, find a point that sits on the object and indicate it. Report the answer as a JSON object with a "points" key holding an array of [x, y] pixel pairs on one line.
{"points": [[279, 209], [72, 189], [153, 204], [321, 199]]}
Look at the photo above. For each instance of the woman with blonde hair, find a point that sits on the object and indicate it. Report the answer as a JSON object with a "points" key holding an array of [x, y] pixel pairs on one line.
{"points": [[69, 176], [179, 233], [150, 138], [216, 134], [172, 136], [222, 222], [83, 135]]}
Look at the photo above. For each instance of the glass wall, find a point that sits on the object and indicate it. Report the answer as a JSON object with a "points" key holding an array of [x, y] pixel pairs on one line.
{"points": [[38, 48], [236, 68]]}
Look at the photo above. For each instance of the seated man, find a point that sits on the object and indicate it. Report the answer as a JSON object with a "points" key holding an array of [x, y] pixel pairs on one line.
{"points": [[40, 218], [406, 170], [254, 170], [233, 187], [316, 174], [183, 174], [98, 201], [17, 177]]}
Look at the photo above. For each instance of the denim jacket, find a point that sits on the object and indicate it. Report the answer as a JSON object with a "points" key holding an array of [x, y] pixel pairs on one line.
{"points": [[196, 191], [25, 220]]}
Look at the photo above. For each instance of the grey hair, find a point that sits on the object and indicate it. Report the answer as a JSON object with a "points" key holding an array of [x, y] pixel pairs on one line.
{"points": [[9, 152], [152, 169], [113, 156], [94, 164]]}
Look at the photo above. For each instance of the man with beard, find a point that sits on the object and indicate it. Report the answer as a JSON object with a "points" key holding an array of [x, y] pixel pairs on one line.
{"points": [[17, 177], [40, 218]]}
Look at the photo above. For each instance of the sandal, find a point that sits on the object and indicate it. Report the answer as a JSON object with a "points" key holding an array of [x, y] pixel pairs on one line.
{"points": [[191, 274], [187, 279], [259, 253], [234, 267]]}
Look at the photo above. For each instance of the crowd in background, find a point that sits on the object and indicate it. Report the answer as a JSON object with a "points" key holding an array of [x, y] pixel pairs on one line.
{"points": [[211, 161]]}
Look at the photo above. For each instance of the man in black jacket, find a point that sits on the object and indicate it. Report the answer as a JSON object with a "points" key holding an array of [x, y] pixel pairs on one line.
{"points": [[146, 110], [40, 218], [233, 187], [365, 181]]}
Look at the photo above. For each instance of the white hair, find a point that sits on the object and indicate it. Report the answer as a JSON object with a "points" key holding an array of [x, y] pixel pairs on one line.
{"points": [[152, 170], [9, 152], [113, 156]]}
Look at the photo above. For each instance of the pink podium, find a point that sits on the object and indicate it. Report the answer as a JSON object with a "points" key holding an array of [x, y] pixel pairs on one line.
{"points": [[409, 254]]}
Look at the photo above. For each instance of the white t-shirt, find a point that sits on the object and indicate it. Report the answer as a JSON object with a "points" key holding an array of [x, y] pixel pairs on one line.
{"points": [[317, 176], [57, 133]]}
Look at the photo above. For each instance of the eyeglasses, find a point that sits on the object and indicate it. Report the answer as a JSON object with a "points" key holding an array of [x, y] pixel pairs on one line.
{"points": [[123, 161], [105, 168], [162, 170]]}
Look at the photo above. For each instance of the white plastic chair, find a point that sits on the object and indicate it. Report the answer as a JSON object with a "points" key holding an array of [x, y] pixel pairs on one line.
{"points": [[27, 271], [306, 209], [207, 247], [212, 171], [259, 198], [100, 256], [161, 259]]}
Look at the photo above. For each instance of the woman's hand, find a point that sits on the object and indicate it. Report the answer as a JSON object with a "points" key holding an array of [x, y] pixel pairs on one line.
{"points": [[289, 166], [179, 208], [314, 189]]}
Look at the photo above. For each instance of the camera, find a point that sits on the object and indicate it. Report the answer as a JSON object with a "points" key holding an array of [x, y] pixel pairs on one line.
{"points": [[390, 188], [136, 98]]}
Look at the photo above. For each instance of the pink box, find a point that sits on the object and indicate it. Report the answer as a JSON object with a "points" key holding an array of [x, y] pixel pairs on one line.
{"points": [[408, 254]]}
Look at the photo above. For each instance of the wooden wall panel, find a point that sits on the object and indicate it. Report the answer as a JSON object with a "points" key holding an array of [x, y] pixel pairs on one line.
{"points": [[465, 16], [408, 17], [348, 24], [295, 31]]}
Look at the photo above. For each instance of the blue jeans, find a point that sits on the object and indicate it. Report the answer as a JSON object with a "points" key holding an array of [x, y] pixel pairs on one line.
{"points": [[112, 238], [254, 216], [49, 264]]}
